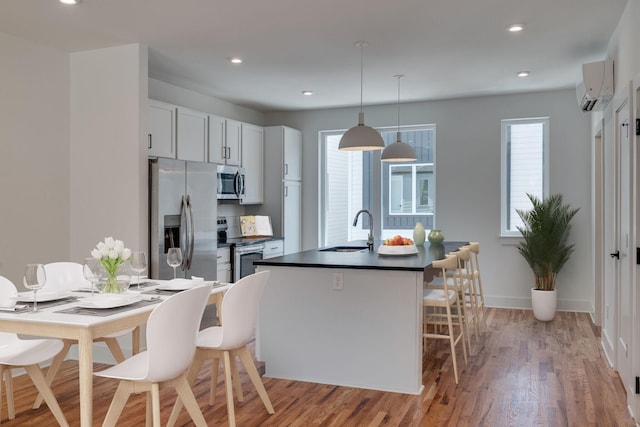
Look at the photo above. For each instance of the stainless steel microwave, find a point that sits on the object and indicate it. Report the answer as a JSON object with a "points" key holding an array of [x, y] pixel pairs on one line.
{"points": [[230, 182]]}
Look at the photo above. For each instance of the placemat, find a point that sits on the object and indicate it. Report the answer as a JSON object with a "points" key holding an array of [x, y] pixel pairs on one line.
{"points": [[47, 304], [160, 292], [172, 292], [103, 312]]}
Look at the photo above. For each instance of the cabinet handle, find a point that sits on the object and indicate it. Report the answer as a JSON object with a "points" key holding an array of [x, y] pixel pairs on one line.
{"points": [[228, 152], [149, 142], [286, 169], [286, 191]]}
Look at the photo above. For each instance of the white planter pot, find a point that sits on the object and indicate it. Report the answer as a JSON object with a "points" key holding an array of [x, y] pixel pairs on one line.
{"points": [[544, 304]]}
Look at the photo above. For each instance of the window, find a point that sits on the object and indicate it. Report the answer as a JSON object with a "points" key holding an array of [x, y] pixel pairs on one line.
{"points": [[525, 168], [409, 189], [397, 194]]}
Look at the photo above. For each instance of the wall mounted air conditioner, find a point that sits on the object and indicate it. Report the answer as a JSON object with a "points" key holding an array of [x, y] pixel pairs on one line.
{"points": [[595, 89]]}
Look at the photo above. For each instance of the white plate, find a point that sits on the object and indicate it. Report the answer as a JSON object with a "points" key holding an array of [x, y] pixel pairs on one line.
{"points": [[397, 250], [109, 300], [42, 296], [179, 284]]}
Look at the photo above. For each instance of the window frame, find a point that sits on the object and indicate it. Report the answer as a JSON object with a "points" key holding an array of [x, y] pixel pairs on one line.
{"points": [[504, 165]]}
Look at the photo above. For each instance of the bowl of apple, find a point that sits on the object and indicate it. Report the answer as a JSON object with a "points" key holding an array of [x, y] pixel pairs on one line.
{"points": [[397, 245]]}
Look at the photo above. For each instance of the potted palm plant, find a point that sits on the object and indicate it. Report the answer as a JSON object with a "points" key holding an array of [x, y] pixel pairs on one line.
{"points": [[545, 247]]}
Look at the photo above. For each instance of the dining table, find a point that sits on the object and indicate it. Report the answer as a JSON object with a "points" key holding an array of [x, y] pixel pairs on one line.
{"points": [[69, 318]]}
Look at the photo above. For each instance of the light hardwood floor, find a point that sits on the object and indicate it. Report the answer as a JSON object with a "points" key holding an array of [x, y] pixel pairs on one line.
{"points": [[521, 373]]}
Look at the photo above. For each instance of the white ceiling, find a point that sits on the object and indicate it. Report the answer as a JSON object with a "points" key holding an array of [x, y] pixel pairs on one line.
{"points": [[445, 48]]}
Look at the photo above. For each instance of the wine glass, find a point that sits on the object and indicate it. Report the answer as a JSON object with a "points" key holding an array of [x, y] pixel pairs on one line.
{"points": [[91, 271], [139, 263], [34, 278], [174, 259]]}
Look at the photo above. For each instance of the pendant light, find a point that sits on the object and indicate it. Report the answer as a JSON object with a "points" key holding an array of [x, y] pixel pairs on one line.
{"points": [[398, 151], [361, 137]]}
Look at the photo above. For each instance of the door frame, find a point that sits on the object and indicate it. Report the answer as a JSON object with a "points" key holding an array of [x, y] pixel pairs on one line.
{"points": [[634, 399], [625, 242]]}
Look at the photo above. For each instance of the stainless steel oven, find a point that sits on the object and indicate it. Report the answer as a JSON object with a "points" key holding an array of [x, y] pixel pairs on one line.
{"points": [[243, 258]]}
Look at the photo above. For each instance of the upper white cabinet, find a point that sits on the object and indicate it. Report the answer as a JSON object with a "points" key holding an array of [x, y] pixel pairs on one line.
{"points": [[253, 163], [224, 141], [283, 185], [192, 135], [234, 142], [162, 129], [292, 148], [217, 138], [284, 147]]}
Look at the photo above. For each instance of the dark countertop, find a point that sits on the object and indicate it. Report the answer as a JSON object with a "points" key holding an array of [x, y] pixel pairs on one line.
{"points": [[241, 241], [364, 259]]}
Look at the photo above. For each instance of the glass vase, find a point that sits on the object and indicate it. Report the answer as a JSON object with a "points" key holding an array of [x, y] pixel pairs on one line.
{"points": [[116, 281]]}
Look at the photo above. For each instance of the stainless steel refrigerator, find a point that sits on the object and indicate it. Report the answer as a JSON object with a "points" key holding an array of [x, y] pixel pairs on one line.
{"points": [[182, 213]]}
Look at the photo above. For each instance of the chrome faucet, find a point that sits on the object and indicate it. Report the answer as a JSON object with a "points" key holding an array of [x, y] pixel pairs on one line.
{"points": [[355, 222]]}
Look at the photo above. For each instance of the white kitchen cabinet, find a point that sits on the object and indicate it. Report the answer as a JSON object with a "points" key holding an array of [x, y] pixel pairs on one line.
{"points": [[217, 140], [162, 129], [273, 248], [283, 196], [253, 163], [224, 265], [284, 145], [224, 141], [292, 153], [192, 135], [292, 216]]}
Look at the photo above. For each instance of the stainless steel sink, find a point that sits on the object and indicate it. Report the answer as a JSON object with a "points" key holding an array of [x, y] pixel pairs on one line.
{"points": [[344, 249]]}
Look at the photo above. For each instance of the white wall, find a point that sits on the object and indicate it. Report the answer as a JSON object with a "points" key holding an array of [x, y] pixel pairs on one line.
{"points": [[172, 94], [468, 179], [34, 155], [108, 154]]}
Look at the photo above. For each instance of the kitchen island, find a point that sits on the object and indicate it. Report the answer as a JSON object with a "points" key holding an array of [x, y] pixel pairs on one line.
{"points": [[346, 317]]}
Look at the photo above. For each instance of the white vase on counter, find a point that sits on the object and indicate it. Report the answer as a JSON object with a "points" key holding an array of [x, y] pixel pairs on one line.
{"points": [[419, 234]]}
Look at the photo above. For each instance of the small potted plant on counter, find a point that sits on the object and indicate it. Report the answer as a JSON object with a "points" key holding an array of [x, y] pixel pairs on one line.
{"points": [[545, 247]]}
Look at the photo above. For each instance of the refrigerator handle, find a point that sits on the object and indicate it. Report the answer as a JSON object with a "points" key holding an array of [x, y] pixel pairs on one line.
{"points": [[191, 232], [184, 233]]}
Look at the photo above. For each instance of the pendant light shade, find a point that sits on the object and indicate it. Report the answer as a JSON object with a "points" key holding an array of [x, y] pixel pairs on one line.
{"points": [[398, 151], [361, 137]]}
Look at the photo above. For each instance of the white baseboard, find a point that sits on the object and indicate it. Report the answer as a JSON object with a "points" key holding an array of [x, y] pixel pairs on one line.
{"points": [[580, 306]]}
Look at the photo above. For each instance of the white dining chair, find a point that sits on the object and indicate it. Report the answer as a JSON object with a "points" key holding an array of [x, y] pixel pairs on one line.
{"points": [[171, 341], [239, 314], [65, 277], [27, 354]]}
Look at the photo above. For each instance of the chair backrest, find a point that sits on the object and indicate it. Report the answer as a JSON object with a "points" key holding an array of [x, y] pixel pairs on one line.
{"points": [[474, 247], [450, 263], [64, 276], [7, 290], [240, 306], [463, 255], [171, 333]]}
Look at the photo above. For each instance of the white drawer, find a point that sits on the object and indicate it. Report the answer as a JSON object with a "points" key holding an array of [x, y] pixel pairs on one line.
{"points": [[273, 248], [224, 255]]}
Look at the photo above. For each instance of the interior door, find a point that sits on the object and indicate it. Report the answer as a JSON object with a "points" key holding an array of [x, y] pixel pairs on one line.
{"points": [[626, 259]]}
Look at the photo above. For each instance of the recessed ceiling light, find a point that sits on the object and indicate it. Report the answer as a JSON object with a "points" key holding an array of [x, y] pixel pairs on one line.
{"points": [[307, 92], [69, 1], [514, 28], [523, 74], [235, 60]]}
